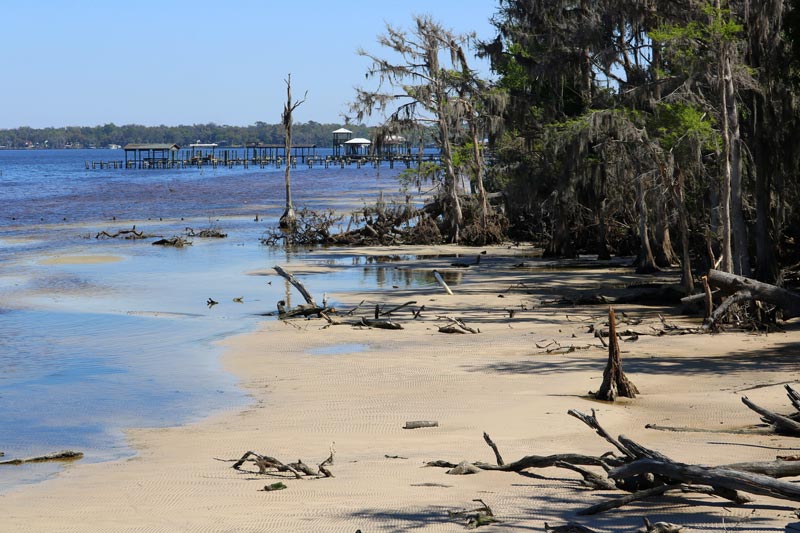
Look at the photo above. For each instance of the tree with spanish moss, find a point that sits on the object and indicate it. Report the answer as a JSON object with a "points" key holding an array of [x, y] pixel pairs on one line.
{"points": [[424, 88]]}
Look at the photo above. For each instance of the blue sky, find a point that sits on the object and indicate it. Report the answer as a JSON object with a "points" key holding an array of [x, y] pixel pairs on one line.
{"points": [[84, 63]]}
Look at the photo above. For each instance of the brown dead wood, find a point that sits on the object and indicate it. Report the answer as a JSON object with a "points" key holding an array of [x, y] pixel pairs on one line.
{"points": [[65, 455], [615, 382]]}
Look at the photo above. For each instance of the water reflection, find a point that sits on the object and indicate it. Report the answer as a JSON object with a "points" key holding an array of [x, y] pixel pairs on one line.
{"points": [[384, 276]]}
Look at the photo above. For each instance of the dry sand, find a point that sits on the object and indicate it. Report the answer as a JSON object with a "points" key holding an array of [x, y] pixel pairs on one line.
{"points": [[353, 389]]}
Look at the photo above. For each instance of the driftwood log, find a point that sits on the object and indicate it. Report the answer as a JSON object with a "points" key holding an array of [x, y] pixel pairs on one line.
{"points": [[748, 288], [176, 242], [297, 285], [714, 476], [441, 282], [65, 455], [783, 424], [416, 424]]}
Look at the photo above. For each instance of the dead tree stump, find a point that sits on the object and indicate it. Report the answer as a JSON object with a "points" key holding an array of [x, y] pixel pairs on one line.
{"points": [[615, 383]]}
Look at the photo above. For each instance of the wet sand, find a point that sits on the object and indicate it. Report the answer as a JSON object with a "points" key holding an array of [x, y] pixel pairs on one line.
{"points": [[313, 388]]}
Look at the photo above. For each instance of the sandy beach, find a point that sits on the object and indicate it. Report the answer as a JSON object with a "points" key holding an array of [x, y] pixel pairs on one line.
{"points": [[314, 388]]}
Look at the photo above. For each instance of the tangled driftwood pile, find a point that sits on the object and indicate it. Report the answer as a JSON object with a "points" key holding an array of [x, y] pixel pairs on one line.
{"points": [[644, 473]]}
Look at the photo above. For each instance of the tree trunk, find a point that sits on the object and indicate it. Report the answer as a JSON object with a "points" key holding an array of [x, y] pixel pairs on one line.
{"points": [[666, 256], [646, 262], [453, 218], [478, 156], [562, 243], [741, 255], [725, 197], [288, 220], [603, 250], [766, 268], [683, 225], [615, 383]]}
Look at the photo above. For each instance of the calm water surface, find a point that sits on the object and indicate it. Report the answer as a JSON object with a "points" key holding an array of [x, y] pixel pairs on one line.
{"points": [[124, 338]]}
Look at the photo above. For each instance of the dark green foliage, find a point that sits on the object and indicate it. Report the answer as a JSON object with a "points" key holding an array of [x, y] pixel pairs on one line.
{"points": [[626, 117]]}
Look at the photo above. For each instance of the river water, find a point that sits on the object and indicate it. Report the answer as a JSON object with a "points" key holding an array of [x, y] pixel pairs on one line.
{"points": [[99, 335]]}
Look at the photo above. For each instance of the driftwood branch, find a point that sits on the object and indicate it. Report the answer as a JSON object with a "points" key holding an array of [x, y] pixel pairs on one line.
{"points": [[299, 286], [265, 463], [396, 308], [592, 422], [628, 498], [441, 281], [493, 446], [782, 424]]}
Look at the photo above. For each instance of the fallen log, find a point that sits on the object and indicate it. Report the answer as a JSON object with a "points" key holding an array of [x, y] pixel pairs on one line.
{"points": [[294, 281], [777, 469], [782, 424], [735, 298], [175, 242], [788, 301], [416, 424], [532, 461], [65, 455], [714, 476], [301, 310]]}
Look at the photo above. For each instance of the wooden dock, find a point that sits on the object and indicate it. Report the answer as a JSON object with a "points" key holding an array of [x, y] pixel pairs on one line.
{"points": [[232, 160]]}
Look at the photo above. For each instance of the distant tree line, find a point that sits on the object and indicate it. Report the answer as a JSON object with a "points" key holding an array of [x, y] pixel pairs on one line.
{"points": [[102, 136]]}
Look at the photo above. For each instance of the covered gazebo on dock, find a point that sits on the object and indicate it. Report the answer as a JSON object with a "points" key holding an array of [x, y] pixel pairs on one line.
{"points": [[340, 137], [260, 152], [357, 147], [394, 146], [198, 149], [150, 155]]}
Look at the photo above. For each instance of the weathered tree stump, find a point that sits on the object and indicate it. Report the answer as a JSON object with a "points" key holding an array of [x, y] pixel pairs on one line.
{"points": [[615, 383]]}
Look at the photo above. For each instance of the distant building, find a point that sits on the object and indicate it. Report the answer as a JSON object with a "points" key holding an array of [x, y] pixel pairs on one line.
{"points": [[358, 146], [150, 153], [340, 137]]}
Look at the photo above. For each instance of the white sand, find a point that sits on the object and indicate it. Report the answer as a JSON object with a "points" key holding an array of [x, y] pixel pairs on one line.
{"points": [[306, 396]]}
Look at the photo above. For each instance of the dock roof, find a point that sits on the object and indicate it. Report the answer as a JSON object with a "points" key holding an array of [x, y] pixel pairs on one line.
{"points": [[153, 146]]}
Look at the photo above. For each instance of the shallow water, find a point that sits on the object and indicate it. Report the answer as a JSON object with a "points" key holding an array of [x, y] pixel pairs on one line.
{"points": [[97, 336]]}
